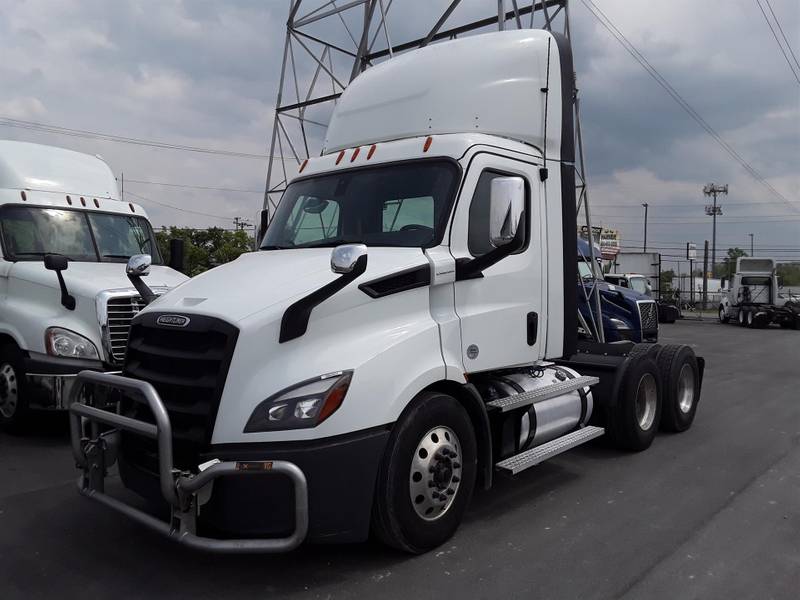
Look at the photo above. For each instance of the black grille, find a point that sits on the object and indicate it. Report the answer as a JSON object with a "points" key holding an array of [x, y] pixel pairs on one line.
{"points": [[188, 367], [648, 312]]}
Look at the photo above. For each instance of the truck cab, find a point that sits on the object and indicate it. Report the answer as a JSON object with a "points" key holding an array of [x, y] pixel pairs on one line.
{"points": [[408, 327], [752, 298], [65, 300], [627, 314]]}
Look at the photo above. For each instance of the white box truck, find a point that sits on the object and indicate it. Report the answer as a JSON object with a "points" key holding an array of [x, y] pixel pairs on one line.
{"points": [[407, 330], [753, 298], [65, 300]]}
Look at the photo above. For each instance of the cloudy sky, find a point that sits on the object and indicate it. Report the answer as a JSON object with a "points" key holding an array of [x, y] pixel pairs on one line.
{"points": [[205, 73]]}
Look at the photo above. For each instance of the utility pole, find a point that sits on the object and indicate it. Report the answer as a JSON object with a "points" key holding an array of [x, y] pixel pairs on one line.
{"points": [[645, 204], [691, 255], [752, 252], [705, 276], [712, 189]]}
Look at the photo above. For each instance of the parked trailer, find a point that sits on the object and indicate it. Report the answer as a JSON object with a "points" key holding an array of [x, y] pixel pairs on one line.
{"points": [[753, 298], [407, 330], [65, 300]]}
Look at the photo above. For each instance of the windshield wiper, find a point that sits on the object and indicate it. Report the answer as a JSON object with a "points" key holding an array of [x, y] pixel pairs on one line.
{"points": [[126, 256], [326, 243]]}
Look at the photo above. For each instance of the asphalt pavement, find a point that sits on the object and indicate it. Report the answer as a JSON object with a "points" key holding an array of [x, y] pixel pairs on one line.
{"points": [[710, 513]]}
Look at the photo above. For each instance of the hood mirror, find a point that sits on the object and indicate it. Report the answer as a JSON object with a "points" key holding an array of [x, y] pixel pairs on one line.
{"points": [[58, 263], [506, 206], [345, 258], [138, 266]]}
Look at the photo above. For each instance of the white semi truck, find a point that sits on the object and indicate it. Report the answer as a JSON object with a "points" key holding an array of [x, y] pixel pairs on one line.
{"points": [[407, 331], [752, 297], [65, 300]]}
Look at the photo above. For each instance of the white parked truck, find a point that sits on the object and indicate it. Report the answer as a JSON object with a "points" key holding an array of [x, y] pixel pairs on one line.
{"points": [[752, 298], [407, 331], [65, 301]]}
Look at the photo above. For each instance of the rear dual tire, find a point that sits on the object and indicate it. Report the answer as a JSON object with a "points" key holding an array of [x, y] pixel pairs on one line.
{"points": [[680, 385], [633, 422]]}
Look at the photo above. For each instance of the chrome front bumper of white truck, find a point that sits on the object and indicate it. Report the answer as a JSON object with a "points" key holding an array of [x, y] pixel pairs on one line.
{"points": [[96, 433]]}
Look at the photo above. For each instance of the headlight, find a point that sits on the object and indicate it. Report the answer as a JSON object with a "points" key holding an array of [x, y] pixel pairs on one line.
{"points": [[301, 406], [66, 343], [619, 323]]}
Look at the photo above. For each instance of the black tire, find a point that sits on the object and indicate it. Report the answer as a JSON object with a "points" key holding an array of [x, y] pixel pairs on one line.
{"points": [[680, 387], [741, 318], [395, 520], [645, 349], [722, 317], [749, 320], [632, 424], [14, 409]]}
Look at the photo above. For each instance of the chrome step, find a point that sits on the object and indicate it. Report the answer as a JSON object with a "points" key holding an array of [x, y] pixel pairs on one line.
{"points": [[542, 393], [539, 454]]}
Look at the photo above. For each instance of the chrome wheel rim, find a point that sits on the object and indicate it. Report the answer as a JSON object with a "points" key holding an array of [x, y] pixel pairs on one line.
{"points": [[435, 473], [686, 388], [9, 391], [646, 401]]}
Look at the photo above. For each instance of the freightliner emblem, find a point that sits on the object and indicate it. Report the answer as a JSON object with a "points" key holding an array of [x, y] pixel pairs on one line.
{"points": [[173, 320]]}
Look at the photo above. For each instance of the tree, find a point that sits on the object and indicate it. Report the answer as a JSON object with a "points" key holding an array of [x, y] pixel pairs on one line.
{"points": [[665, 283], [729, 266], [204, 248]]}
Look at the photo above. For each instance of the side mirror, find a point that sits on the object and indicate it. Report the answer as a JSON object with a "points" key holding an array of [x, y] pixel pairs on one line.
{"points": [[344, 258], [262, 220], [139, 265], [58, 263], [55, 262], [506, 206]]}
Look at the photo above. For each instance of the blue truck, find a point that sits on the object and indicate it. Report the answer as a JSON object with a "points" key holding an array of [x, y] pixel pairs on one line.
{"points": [[627, 315]]}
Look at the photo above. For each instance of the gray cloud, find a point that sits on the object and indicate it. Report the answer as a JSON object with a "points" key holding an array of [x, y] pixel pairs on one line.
{"points": [[205, 73]]}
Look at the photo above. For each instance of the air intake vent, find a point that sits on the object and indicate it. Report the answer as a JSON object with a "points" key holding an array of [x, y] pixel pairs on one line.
{"points": [[648, 313]]}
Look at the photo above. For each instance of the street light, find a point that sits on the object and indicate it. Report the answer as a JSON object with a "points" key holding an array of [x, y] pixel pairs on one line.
{"points": [[752, 252], [645, 204], [713, 210]]}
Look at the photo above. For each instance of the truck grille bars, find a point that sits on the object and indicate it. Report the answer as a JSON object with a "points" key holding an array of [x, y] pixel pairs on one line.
{"points": [[95, 451], [120, 311], [648, 314], [187, 366]]}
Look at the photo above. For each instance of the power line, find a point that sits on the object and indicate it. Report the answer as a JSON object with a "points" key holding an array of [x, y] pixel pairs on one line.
{"points": [[194, 187], [783, 35], [656, 75], [178, 208], [97, 135], [777, 41]]}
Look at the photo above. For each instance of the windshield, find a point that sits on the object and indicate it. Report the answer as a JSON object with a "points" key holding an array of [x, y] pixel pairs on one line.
{"points": [[639, 284], [28, 233], [393, 205], [585, 270]]}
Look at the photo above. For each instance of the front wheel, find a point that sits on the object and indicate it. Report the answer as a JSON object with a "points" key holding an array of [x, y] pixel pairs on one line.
{"points": [[13, 397], [428, 472]]}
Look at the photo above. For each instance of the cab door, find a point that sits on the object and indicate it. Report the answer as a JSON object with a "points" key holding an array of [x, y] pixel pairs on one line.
{"points": [[503, 320]]}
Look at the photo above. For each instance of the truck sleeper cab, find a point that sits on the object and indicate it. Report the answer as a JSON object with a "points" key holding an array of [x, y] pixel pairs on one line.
{"points": [[407, 329], [65, 300]]}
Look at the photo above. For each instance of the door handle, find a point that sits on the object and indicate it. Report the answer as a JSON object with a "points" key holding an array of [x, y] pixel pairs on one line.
{"points": [[533, 327]]}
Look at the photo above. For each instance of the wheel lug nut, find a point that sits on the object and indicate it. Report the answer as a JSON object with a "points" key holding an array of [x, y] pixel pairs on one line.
{"points": [[450, 491]]}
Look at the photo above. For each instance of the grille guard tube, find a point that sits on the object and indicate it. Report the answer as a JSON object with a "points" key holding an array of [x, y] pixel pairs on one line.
{"points": [[180, 490]]}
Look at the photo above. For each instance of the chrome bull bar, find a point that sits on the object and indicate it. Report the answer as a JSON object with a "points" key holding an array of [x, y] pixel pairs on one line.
{"points": [[182, 490]]}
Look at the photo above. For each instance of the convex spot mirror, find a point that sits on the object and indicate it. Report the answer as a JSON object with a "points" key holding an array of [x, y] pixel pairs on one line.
{"points": [[55, 262], [345, 257], [506, 206], [139, 265]]}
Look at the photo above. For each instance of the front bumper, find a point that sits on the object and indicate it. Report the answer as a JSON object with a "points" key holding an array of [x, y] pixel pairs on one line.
{"points": [[96, 434], [51, 380]]}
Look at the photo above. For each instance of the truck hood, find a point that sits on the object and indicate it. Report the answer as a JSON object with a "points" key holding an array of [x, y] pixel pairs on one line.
{"points": [[258, 281], [87, 279]]}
